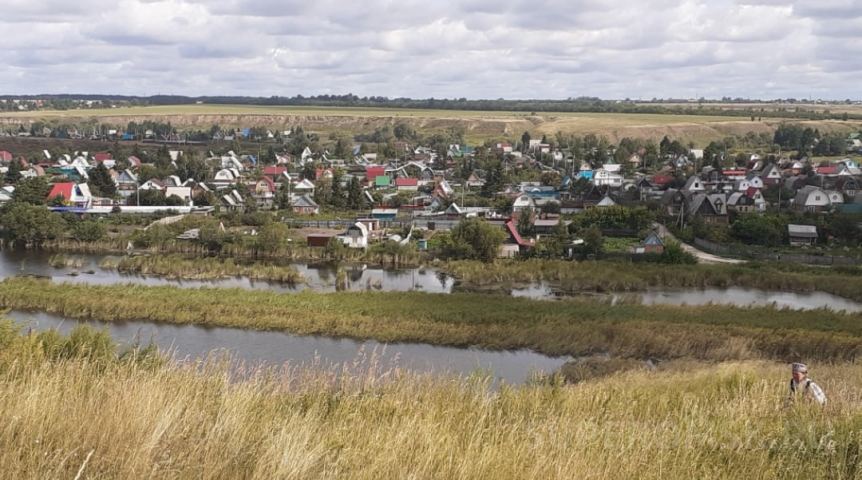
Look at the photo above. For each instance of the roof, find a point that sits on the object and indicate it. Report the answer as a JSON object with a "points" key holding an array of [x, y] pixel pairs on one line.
{"points": [[514, 233], [382, 180], [304, 201], [274, 170], [63, 188], [406, 182], [826, 170], [5, 156], [101, 157], [653, 239], [803, 231], [373, 172]]}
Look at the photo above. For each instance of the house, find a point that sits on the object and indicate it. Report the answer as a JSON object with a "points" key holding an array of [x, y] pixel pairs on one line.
{"points": [[305, 187], [407, 184], [77, 195], [305, 205], [385, 214], [233, 201], [5, 156], [694, 185], [127, 183], [514, 244], [814, 199], [356, 236], [847, 185], [711, 208], [172, 181], [802, 235], [606, 201], [523, 202], [754, 181], [382, 181], [153, 184], [652, 244], [185, 193], [749, 201], [225, 177], [603, 177], [635, 160], [6, 194], [476, 179], [770, 175]]}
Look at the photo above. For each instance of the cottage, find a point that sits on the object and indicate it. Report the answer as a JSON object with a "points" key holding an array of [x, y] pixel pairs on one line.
{"points": [[305, 205], [603, 177], [711, 208], [815, 199], [356, 236], [770, 175], [652, 244], [802, 235]]}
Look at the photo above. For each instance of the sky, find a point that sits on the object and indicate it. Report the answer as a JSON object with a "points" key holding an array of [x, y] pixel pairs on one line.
{"points": [[478, 49]]}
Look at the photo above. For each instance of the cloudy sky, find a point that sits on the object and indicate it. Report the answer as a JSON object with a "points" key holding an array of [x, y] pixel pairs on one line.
{"points": [[435, 48]]}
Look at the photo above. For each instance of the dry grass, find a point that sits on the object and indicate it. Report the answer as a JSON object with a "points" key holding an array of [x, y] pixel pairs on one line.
{"points": [[206, 421]]}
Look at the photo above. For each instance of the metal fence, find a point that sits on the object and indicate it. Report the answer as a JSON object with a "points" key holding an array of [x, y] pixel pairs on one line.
{"points": [[781, 257]]}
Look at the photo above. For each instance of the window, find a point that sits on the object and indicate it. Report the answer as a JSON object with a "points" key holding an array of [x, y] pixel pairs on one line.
{"points": [[817, 198]]}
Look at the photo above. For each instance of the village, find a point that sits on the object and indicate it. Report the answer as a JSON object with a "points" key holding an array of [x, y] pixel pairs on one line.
{"points": [[429, 189]]}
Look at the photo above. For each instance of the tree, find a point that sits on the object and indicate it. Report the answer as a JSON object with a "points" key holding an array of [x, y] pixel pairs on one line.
{"points": [[100, 181], [13, 175], [337, 199], [272, 237], [525, 141], [525, 222], [493, 181], [594, 243], [474, 239], [754, 229], [33, 190], [25, 224], [355, 198], [88, 231]]}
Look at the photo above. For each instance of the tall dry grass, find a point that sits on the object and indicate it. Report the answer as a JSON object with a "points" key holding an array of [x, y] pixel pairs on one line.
{"points": [[77, 418]]}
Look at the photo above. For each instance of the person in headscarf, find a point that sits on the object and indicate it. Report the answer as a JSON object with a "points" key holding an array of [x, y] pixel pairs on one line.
{"points": [[802, 386]]}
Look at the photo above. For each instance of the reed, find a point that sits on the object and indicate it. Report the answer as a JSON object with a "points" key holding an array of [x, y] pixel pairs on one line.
{"points": [[606, 276], [62, 261], [570, 327], [79, 418], [203, 268]]}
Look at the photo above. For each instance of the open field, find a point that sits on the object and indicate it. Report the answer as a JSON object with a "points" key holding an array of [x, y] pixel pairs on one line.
{"points": [[477, 126], [73, 410], [768, 107]]}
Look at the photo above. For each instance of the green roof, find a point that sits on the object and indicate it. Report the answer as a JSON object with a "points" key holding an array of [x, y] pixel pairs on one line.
{"points": [[854, 136], [382, 181]]}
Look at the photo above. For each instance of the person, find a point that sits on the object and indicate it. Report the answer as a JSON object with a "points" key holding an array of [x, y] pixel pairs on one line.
{"points": [[801, 385]]}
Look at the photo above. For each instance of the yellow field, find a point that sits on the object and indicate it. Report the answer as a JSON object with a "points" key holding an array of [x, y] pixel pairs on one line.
{"points": [[477, 126]]}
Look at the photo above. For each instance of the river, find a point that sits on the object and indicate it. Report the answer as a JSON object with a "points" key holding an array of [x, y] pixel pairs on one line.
{"points": [[277, 348]]}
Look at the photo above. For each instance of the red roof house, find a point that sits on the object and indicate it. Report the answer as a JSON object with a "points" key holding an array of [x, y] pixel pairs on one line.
{"points": [[273, 171], [373, 172], [63, 188], [101, 157], [406, 182], [5, 156]]}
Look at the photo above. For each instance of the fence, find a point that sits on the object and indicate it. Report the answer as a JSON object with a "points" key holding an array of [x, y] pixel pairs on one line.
{"points": [[781, 257], [430, 224]]}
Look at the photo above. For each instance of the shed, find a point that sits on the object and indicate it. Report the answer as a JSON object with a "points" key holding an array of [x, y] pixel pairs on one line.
{"points": [[652, 244], [802, 235]]}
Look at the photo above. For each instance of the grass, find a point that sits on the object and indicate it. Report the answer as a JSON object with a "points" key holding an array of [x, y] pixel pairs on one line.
{"points": [[572, 327], [608, 276], [206, 268], [89, 418]]}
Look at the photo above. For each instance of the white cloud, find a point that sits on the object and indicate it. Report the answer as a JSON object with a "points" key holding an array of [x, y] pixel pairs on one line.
{"points": [[433, 48]]}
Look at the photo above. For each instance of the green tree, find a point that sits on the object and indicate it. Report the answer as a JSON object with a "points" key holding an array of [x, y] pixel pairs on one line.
{"points": [[88, 231], [474, 239], [525, 141], [754, 229], [25, 224], [594, 243], [272, 237], [355, 198], [13, 175], [33, 190], [525, 222], [551, 246], [100, 181], [337, 199]]}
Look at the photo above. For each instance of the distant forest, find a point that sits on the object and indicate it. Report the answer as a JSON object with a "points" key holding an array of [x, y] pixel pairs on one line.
{"points": [[789, 108]]}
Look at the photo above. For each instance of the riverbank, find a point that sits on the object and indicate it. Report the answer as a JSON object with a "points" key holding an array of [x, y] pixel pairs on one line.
{"points": [[202, 268], [99, 417], [574, 327]]}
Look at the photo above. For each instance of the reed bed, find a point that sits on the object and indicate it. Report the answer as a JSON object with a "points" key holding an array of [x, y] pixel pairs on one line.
{"points": [[570, 327], [205, 268], [61, 260], [83, 418], [606, 276]]}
